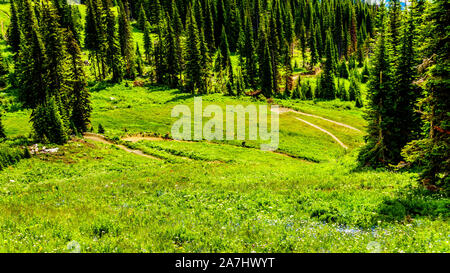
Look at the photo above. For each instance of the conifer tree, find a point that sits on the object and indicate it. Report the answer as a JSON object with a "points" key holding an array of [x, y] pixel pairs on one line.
{"points": [[4, 71], [56, 58], [148, 43], [313, 48], [48, 124], [14, 28], [265, 68], [2, 129], [308, 91], [171, 55], [176, 20], [113, 52], [209, 26], [142, 19], [225, 50], [220, 19], [407, 120], [80, 102], [205, 61], [32, 59], [249, 52], [433, 152], [156, 11], [303, 43], [193, 56], [327, 85], [379, 148], [95, 37], [240, 86], [343, 70], [297, 93], [344, 94], [394, 25], [354, 89], [66, 19], [365, 73], [274, 48], [353, 33], [139, 61], [126, 43], [359, 103]]}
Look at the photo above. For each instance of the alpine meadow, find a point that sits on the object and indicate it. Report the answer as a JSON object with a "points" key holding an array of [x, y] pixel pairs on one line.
{"points": [[352, 95]]}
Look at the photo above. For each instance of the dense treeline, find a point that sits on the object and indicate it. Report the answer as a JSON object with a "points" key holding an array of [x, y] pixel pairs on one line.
{"points": [[234, 46], [409, 90], [49, 68], [263, 33]]}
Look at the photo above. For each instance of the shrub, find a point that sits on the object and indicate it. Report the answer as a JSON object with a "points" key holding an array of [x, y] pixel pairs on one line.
{"points": [[101, 130], [9, 155]]}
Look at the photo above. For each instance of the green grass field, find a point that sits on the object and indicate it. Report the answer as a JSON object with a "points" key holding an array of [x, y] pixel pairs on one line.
{"points": [[211, 197], [220, 196]]}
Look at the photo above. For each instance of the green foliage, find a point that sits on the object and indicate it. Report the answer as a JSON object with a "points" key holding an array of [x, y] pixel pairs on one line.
{"points": [[330, 205], [48, 124], [101, 130], [4, 71], [142, 18], [381, 147], [14, 30], [194, 79], [79, 96], [9, 155], [113, 52], [126, 41], [343, 70], [297, 93], [2, 129], [148, 43], [327, 85]]}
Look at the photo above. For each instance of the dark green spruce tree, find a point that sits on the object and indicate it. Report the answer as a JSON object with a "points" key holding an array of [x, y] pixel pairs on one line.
{"points": [[407, 120], [327, 85], [79, 94], [265, 66], [31, 62], [2, 129], [148, 43], [14, 28], [380, 148], [433, 152], [113, 53], [127, 43], [193, 57]]}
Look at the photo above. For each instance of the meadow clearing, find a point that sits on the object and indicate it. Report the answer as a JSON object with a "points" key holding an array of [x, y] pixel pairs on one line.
{"points": [[131, 188], [211, 197]]}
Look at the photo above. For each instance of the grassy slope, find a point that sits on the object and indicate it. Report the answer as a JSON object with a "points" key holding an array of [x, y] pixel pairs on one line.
{"points": [[111, 201], [225, 198]]}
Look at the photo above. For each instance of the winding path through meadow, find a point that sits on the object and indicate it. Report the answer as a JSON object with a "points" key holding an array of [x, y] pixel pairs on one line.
{"points": [[102, 139], [280, 110]]}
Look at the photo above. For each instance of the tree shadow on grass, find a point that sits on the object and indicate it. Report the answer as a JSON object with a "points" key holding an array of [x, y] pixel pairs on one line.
{"points": [[409, 202], [100, 86], [413, 202], [181, 97]]}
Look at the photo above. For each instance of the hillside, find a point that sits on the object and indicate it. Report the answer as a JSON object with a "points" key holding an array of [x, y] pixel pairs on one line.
{"points": [[121, 182]]}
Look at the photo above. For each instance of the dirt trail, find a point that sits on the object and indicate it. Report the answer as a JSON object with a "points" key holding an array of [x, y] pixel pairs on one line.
{"points": [[325, 131], [285, 110], [139, 138], [102, 139]]}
